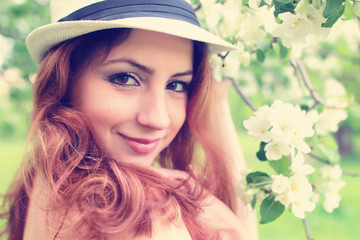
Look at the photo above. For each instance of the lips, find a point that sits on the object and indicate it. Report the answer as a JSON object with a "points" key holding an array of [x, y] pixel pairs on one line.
{"points": [[141, 145]]}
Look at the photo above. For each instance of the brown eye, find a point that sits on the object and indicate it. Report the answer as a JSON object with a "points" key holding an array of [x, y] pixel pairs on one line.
{"points": [[177, 86], [124, 79]]}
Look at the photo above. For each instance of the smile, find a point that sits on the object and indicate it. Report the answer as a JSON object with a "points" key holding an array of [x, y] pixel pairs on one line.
{"points": [[141, 145]]}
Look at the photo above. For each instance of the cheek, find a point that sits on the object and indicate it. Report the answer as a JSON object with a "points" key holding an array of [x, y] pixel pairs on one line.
{"points": [[108, 111], [105, 110]]}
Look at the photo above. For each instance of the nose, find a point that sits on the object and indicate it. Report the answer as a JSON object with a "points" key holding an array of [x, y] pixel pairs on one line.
{"points": [[153, 112]]}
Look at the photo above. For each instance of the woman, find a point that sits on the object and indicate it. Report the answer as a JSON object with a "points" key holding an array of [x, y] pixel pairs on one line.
{"points": [[124, 109]]}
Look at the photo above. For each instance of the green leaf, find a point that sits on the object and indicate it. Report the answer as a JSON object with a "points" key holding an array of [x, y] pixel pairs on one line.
{"points": [[262, 3], [326, 148], [332, 20], [257, 179], [304, 107], [281, 7], [253, 202], [264, 45], [195, 1], [260, 55], [283, 51], [285, 1], [270, 209], [348, 12], [261, 153], [280, 166], [332, 7], [329, 153]]}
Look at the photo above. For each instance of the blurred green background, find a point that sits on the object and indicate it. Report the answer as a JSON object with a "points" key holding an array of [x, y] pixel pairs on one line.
{"points": [[19, 17]]}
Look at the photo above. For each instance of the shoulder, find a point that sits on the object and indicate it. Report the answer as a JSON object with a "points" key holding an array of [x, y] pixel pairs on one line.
{"points": [[161, 231], [43, 222], [36, 225], [216, 217]]}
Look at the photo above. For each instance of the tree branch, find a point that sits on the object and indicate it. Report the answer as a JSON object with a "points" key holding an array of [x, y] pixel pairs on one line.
{"points": [[351, 174], [327, 162], [239, 91], [197, 7], [304, 76], [223, 58], [319, 159], [307, 231]]}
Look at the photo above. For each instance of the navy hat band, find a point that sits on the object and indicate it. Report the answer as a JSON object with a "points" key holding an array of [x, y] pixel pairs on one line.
{"points": [[118, 9]]}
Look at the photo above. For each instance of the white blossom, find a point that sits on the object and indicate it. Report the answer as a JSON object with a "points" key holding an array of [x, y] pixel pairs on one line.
{"points": [[245, 58], [315, 15], [285, 117], [310, 118], [334, 186], [282, 126], [232, 17], [331, 186], [266, 17], [259, 124], [294, 192], [258, 127], [300, 188], [254, 4], [250, 30], [302, 27], [263, 111], [299, 208], [331, 172], [334, 90], [292, 120], [300, 144], [329, 120], [294, 29], [212, 13], [275, 149], [331, 201], [298, 165], [292, 124], [279, 183], [224, 19]]}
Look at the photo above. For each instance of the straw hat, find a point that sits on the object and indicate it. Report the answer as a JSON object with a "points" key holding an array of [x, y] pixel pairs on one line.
{"points": [[72, 18]]}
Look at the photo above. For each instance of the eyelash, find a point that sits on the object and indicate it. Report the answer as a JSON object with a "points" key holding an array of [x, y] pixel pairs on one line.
{"points": [[118, 80], [185, 86]]}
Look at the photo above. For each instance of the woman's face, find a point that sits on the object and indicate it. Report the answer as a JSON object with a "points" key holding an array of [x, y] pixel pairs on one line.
{"points": [[136, 99]]}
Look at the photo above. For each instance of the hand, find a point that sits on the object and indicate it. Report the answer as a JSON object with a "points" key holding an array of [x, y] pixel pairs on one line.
{"points": [[221, 221], [217, 218], [222, 89]]}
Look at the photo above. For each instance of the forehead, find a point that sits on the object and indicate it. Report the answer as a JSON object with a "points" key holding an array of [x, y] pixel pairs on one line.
{"points": [[153, 46]]}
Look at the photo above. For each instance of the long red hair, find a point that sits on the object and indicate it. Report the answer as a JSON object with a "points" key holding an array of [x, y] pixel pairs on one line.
{"points": [[113, 196]]}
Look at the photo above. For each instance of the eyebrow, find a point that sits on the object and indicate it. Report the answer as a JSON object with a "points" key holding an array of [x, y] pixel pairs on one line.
{"points": [[143, 68]]}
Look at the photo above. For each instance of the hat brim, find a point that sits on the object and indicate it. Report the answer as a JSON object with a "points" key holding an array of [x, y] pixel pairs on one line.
{"points": [[43, 38]]}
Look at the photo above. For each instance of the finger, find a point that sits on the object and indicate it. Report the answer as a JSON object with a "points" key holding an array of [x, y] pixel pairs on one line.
{"points": [[228, 82], [222, 88]]}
